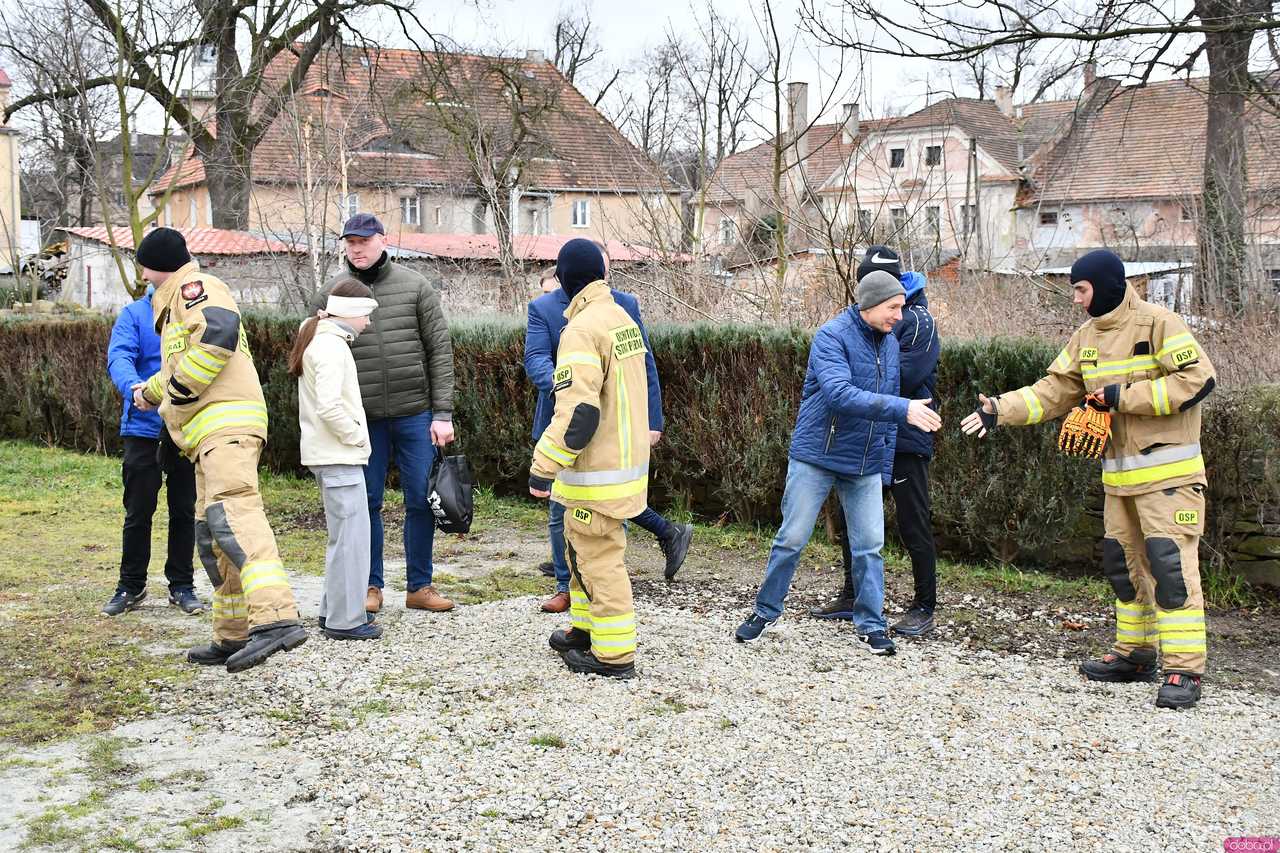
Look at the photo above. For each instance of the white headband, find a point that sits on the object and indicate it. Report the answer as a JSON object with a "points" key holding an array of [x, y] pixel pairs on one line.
{"points": [[349, 306]]}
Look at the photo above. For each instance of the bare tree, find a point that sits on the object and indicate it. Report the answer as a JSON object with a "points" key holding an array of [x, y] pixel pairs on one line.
{"points": [[576, 48]]}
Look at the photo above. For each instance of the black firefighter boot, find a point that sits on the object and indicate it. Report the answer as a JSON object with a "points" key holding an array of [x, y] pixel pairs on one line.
{"points": [[588, 664], [1140, 665], [266, 640], [1180, 690], [573, 638], [215, 653]]}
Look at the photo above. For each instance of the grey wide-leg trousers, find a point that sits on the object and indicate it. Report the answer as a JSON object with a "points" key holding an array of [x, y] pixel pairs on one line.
{"points": [[346, 563]]}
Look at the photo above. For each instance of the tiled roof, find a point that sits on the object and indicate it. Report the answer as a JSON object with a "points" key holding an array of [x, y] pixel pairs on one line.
{"points": [[527, 247], [200, 241], [394, 133], [1148, 142]]}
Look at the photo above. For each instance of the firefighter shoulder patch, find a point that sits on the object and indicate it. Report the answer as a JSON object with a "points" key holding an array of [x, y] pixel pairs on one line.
{"points": [[562, 378], [1088, 353], [1185, 356], [582, 516], [1186, 517], [627, 341], [192, 290]]}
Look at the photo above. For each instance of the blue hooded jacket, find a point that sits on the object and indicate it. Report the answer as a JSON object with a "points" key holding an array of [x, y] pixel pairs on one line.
{"points": [[542, 340], [919, 346], [132, 356], [850, 409]]}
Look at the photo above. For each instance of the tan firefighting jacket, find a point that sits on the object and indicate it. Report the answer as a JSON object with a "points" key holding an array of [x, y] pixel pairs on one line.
{"points": [[1162, 374], [207, 384], [597, 445]]}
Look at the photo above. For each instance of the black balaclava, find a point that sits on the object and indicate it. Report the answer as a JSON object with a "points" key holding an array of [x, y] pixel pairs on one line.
{"points": [[370, 275], [1105, 271], [579, 264]]}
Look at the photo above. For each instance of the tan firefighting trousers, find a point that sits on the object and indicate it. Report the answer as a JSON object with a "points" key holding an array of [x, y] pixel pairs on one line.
{"points": [[1151, 557], [235, 542], [599, 588]]}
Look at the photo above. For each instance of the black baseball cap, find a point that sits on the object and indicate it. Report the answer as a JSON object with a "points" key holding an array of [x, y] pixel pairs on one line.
{"points": [[362, 225]]}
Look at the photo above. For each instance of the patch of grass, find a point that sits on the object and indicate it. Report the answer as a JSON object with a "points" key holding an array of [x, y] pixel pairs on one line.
{"points": [[497, 585], [197, 828], [1005, 578], [287, 715], [146, 786], [490, 813], [1229, 591], [726, 723], [493, 512], [670, 705], [549, 741], [17, 762], [118, 842], [103, 757], [372, 708], [54, 826]]}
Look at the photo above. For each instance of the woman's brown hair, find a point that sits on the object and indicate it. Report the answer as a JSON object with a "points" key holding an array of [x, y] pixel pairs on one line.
{"points": [[344, 287]]}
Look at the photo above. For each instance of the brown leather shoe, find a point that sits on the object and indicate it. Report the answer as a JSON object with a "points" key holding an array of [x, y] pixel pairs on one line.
{"points": [[557, 603], [427, 599], [373, 600]]}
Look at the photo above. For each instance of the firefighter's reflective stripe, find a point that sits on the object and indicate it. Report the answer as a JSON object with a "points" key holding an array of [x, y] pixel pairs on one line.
{"points": [[1117, 368], [624, 420], [1154, 473], [614, 635], [1176, 342], [1136, 624], [220, 416], [1182, 630], [1035, 412], [201, 365], [1160, 396], [154, 390], [1063, 361], [555, 451], [603, 478], [579, 610], [588, 358], [626, 489], [229, 606], [262, 574]]}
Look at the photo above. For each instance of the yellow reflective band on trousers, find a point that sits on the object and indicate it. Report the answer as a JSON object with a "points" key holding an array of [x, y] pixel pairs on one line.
{"points": [[229, 606], [1153, 474], [1117, 368], [579, 610], [1160, 396], [220, 416], [614, 635], [1035, 412], [1182, 630], [1136, 624], [551, 449], [609, 492], [262, 574]]}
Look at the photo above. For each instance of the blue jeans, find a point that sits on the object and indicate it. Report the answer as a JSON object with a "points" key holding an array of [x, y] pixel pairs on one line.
{"points": [[650, 520], [807, 489], [409, 438]]}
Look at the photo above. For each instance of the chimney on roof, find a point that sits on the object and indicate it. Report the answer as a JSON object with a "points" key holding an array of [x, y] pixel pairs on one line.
{"points": [[849, 124], [1090, 74], [535, 56], [1004, 100], [798, 109]]}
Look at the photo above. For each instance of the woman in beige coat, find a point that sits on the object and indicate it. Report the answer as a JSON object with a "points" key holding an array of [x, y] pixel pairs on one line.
{"points": [[334, 444]]}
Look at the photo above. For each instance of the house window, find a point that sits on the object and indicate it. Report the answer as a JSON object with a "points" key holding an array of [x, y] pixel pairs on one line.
{"points": [[899, 217], [207, 54], [1184, 213], [193, 214], [439, 215], [933, 219], [1048, 217], [865, 220], [1274, 277], [349, 205], [968, 218], [933, 155], [410, 212], [728, 231], [897, 157], [581, 213]]}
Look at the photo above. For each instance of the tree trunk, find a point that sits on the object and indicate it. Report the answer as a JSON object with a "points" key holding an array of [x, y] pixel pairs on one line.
{"points": [[1223, 243], [230, 184]]}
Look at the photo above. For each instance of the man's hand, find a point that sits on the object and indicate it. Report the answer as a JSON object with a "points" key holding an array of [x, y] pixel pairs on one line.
{"points": [[539, 487], [980, 420], [140, 402], [654, 437], [441, 433], [920, 416], [539, 494]]}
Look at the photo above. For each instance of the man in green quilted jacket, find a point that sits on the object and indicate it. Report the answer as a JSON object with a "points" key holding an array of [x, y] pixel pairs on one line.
{"points": [[405, 365]]}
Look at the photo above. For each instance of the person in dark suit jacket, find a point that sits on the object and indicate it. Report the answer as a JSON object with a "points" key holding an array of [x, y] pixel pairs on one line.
{"points": [[542, 339]]}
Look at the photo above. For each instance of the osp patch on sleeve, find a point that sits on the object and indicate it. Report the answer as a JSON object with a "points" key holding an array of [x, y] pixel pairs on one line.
{"points": [[627, 341], [1185, 356], [562, 378], [1186, 517], [582, 516], [1088, 353]]}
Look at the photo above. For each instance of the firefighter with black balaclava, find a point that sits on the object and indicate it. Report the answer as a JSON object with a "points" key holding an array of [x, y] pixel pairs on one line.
{"points": [[1131, 381]]}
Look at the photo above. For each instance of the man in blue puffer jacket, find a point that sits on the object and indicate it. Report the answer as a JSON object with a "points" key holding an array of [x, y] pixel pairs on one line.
{"points": [[846, 431], [542, 340], [149, 456], [919, 348]]}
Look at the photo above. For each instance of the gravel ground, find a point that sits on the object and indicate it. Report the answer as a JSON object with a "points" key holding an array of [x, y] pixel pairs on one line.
{"points": [[464, 731]]}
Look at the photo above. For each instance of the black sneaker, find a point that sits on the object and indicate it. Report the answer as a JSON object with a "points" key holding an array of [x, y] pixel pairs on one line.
{"points": [[265, 642], [1180, 690], [123, 601], [878, 643], [916, 622], [548, 569], [753, 629], [368, 618], [588, 664], [675, 548], [367, 631], [1140, 665], [563, 641], [186, 601], [213, 654], [837, 608]]}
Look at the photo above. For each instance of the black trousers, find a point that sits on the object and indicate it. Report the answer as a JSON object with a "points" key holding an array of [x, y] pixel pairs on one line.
{"points": [[147, 463], [915, 528]]}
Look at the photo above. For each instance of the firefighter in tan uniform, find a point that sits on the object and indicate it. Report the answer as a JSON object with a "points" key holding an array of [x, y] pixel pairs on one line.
{"points": [[1140, 363], [594, 459], [208, 394]]}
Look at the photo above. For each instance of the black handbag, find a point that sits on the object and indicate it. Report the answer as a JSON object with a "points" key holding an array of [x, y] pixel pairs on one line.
{"points": [[450, 493]]}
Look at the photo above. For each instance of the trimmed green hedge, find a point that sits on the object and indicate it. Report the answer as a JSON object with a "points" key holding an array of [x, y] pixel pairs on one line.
{"points": [[730, 397]]}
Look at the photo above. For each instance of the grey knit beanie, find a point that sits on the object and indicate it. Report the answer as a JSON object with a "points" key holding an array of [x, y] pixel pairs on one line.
{"points": [[877, 286]]}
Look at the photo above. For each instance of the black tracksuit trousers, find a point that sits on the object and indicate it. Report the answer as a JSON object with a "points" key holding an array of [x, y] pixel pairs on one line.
{"points": [[148, 462]]}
